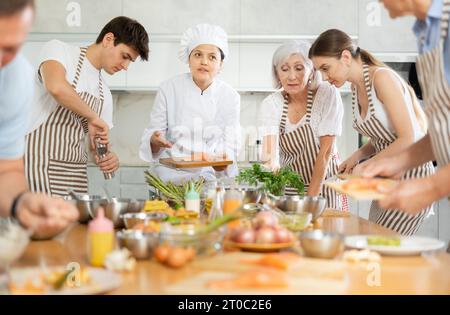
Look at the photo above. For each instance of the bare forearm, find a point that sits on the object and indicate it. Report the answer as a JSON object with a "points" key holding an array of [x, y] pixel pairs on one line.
{"points": [[65, 95], [395, 148], [11, 184], [439, 183], [416, 154], [318, 175], [365, 151]]}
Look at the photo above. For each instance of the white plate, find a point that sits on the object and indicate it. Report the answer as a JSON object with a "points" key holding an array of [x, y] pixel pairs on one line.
{"points": [[409, 245], [102, 281]]}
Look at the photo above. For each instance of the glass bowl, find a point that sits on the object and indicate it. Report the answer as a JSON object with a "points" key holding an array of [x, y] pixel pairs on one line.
{"points": [[296, 222], [191, 236]]}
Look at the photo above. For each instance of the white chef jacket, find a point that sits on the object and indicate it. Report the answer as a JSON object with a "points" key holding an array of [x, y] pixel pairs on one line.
{"points": [[194, 121]]}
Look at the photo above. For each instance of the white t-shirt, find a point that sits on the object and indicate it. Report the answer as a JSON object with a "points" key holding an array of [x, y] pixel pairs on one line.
{"points": [[326, 114], [68, 56]]}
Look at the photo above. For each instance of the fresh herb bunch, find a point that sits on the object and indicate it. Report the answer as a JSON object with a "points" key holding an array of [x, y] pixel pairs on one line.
{"points": [[174, 193], [273, 182]]}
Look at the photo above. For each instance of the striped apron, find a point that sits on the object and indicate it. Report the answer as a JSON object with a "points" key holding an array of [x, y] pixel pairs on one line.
{"points": [[436, 91], [381, 138], [56, 157], [299, 150]]}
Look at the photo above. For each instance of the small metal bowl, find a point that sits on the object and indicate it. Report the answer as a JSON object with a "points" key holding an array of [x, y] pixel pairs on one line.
{"points": [[313, 205], [140, 244], [136, 205], [319, 244], [87, 205], [131, 219], [114, 209]]}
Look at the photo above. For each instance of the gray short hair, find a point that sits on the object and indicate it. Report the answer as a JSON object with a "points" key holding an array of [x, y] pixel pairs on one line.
{"points": [[285, 51]]}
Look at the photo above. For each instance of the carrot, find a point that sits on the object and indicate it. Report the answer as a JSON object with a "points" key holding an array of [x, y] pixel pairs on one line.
{"points": [[259, 279], [278, 261]]}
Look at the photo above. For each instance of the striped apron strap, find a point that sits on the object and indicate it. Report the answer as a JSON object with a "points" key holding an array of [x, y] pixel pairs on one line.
{"points": [[309, 104], [76, 78], [284, 113]]}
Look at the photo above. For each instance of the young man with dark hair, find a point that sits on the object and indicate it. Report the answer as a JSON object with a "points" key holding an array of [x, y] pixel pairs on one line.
{"points": [[44, 215], [73, 100]]}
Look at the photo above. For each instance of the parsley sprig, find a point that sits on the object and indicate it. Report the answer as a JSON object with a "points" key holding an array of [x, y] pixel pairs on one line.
{"points": [[273, 182]]}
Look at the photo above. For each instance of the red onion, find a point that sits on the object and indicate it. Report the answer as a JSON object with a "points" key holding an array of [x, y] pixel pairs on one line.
{"points": [[282, 235], [265, 235], [244, 235], [265, 219]]}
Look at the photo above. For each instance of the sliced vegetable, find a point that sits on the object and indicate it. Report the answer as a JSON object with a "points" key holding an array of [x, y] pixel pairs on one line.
{"points": [[383, 240]]}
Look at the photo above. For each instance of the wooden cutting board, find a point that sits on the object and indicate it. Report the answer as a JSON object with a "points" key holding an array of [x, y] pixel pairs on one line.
{"points": [[193, 164], [235, 262], [196, 285], [305, 276]]}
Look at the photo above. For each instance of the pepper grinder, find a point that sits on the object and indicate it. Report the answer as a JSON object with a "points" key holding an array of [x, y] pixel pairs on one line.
{"points": [[102, 150]]}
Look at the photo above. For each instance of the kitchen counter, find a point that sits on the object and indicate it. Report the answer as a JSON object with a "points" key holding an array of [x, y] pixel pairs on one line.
{"points": [[426, 274]]}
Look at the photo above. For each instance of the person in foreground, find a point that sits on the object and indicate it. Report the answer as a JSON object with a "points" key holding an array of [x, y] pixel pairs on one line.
{"points": [[43, 215]]}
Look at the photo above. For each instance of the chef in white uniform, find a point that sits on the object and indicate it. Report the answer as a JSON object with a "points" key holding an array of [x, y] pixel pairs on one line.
{"points": [[195, 112]]}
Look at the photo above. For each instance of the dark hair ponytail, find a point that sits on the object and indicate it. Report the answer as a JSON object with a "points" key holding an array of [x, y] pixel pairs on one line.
{"points": [[370, 59], [333, 42]]}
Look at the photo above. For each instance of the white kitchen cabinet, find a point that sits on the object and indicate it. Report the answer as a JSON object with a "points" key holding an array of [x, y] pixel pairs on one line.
{"points": [[80, 16], [175, 16], [379, 33], [230, 70], [298, 16], [163, 64], [255, 65]]}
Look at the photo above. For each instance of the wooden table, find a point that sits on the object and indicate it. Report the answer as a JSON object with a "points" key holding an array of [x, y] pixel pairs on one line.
{"points": [[427, 274]]}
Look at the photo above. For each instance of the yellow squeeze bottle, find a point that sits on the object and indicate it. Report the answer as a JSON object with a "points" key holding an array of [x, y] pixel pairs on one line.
{"points": [[100, 239]]}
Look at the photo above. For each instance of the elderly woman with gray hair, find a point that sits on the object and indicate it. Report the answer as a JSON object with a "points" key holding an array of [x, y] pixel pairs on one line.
{"points": [[300, 122]]}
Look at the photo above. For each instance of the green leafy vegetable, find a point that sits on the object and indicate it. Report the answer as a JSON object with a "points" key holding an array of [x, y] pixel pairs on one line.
{"points": [[273, 182]]}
